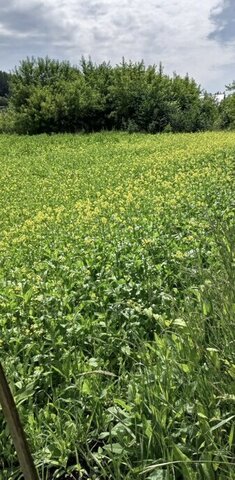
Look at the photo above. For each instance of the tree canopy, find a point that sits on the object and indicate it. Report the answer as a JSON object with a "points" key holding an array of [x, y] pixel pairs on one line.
{"points": [[4, 83], [52, 96]]}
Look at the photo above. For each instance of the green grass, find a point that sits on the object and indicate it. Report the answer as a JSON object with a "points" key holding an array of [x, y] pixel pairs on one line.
{"points": [[117, 304]]}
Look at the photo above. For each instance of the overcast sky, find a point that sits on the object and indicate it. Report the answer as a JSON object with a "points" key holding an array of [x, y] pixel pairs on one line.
{"points": [[191, 36]]}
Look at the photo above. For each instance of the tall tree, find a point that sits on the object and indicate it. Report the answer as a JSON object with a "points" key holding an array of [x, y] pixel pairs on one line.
{"points": [[52, 96], [4, 83]]}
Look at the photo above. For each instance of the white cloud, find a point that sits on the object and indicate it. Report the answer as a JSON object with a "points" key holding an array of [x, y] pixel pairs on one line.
{"points": [[173, 31]]}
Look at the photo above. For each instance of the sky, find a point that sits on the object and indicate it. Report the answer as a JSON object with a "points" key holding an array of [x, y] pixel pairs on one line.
{"points": [[188, 36]]}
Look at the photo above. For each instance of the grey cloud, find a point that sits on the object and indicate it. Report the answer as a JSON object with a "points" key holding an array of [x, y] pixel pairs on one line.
{"points": [[29, 31], [94, 9], [91, 9], [100, 36], [125, 22], [31, 20], [224, 23]]}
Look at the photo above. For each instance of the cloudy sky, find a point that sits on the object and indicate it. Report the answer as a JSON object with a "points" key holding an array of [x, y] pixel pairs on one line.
{"points": [[191, 36]]}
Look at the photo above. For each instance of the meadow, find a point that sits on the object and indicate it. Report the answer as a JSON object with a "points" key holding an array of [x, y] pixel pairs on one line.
{"points": [[117, 304]]}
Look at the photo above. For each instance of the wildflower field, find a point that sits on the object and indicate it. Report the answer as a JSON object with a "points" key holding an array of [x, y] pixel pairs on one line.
{"points": [[117, 304]]}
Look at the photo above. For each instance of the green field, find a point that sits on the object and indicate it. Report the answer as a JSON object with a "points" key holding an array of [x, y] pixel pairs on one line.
{"points": [[117, 304]]}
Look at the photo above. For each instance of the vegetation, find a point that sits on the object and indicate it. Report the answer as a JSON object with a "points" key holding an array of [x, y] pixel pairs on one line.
{"points": [[227, 109], [4, 83], [52, 96], [4, 88], [117, 302]]}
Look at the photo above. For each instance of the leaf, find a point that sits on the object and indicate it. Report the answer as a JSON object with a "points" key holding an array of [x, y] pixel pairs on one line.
{"points": [[114, 448], [231, 436], [179, 455], [185, 367], [157, 475], [121, 403], [104, 435], [148, 312], [231, 371], [206, 307], [179, 322], [86, 389], [28, 295], [126, 349], [208, 471], [227, 397], [223, 422]]}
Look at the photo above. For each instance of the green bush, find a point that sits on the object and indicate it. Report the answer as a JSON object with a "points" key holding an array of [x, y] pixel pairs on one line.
{"points": [[52, 96], [3, 102], [8, 121]]}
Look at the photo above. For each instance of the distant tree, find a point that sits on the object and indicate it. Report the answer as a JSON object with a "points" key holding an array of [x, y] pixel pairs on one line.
{"points": [[209, 115], [227, 108], [227, 112], [52, 96], [126, 93], [39, 73], [3, 102], [99, 78], [231, 86], [37, 94], [161, 69], [4, 83]]}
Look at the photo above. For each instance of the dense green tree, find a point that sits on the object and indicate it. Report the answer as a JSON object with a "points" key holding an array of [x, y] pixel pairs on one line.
{"points": [[98, 78], [3, 102], [4, 89], [52, 96], [227, 108], [38, 73], [209, 117], [231, 86], [4, 84], [126, 94]]}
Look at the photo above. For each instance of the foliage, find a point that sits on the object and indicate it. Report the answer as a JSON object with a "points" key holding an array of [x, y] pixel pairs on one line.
{"points": [[7, 121], [228, 112], [117, 304], [4, 83], [4, 90], [231, 86], [3, 102], [52, 96], [227, 108]]}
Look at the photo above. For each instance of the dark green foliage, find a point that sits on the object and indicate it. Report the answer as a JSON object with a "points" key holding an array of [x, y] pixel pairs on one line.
{"points": [[227, 108], [4, 89], [231, 87], [3, 102], [228, 112], [52, 96], [4, 84], [209, 118]]}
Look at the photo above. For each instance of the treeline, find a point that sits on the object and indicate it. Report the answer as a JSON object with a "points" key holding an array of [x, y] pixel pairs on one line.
{"points": [[4, 88], [50, 96]]}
